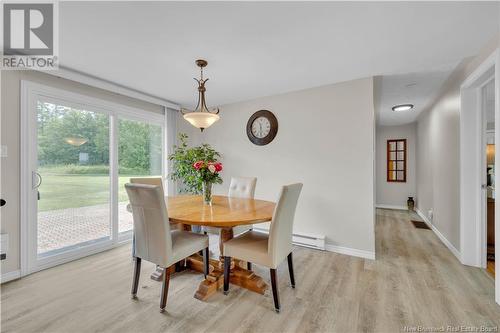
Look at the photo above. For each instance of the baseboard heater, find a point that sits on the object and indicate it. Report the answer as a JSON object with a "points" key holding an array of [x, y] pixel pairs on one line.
{"points": [[311, 241]]}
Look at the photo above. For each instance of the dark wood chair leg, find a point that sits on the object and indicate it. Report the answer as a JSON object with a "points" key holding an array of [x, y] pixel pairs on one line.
{"points": [[249, 265], [206, 262], [276, 296], [137, 274], [164, 289], [290, 270], [227, 270], [178, 266]]}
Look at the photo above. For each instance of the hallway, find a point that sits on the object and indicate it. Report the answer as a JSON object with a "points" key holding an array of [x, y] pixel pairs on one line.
{"points": [[415, 281]]}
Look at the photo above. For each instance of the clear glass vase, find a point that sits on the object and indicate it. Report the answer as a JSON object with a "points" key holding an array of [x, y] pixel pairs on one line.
{"points": [[207, 193]]}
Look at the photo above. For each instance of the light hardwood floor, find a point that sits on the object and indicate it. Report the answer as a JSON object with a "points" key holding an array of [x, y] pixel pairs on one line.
{"points": [[415, 281]]}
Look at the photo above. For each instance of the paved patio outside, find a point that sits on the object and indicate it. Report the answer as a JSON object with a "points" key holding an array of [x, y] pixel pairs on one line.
{"points": [[71, 226]]}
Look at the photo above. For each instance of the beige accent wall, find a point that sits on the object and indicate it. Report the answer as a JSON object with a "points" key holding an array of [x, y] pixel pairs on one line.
{"points": [[325, 140], [395, 193], [10, 137], [438, 147]]}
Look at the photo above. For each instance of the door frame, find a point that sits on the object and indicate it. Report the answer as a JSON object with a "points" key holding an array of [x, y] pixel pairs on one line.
{"points": [[472, 162], [28, 232]]}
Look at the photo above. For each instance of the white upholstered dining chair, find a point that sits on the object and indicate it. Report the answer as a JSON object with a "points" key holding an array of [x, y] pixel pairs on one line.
{"points": [[154, 241], [268, 250], [240, 187], [157, 181]]}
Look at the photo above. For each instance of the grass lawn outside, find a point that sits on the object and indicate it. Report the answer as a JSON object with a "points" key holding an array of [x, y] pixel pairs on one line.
{"points": [[59, 191]]}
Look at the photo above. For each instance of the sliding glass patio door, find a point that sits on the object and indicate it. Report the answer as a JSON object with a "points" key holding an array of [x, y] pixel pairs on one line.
{"points": [[78, 153], [139, 155], [73, 178]]}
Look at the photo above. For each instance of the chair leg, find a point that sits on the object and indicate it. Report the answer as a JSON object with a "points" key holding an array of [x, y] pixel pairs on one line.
{"points": [[290, 270], [227, 269], [178, 266], [249, 265], [137, 273], [206, 262], [276, 296], [164, 289]]}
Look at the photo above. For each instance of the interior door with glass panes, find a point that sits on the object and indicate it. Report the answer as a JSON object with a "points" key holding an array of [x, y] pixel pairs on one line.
{"points": [[396, 160]]}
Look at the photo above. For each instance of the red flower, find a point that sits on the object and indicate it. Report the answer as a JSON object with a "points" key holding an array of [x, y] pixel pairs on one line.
{"points": [[198, 165], [218, 167]]}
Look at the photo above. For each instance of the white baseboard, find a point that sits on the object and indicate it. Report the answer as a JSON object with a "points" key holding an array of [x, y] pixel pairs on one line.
{"points": [[6, 277], [391, 207], [443, 239], [318, 242], [350, 251]]}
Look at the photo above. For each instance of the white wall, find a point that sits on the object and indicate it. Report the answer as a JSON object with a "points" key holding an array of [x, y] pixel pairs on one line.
{"points": [[395, 194], [10, 136], [438, 164], [325, 140]]}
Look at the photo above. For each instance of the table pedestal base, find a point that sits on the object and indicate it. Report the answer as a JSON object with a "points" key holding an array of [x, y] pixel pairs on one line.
{"points": [[157, 274], [215, 280]]}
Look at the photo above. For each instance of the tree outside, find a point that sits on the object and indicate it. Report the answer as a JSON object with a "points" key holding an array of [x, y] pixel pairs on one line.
{"points": [[73, 155]]}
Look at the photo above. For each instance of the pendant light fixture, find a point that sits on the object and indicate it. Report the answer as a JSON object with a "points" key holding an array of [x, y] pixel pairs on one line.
{"points": [[201, 117]]}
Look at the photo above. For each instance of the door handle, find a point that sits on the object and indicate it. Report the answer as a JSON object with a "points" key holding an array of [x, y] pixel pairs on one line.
{"points": [[36, 180]]}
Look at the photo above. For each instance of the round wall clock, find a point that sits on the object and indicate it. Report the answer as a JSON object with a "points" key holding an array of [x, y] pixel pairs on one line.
{"points": [[262, 127]]}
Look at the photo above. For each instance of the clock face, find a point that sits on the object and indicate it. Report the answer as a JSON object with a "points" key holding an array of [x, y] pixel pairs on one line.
{"points": [[261, 127]]}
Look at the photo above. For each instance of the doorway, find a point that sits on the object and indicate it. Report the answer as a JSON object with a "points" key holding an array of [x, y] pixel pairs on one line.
{"points": [[488, 112], [479, 133]]}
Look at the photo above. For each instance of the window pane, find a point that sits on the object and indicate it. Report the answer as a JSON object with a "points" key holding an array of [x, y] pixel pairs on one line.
{"points": [[392, 145], [392, 175], [73, 162], [400, 165], [392, 156], [392, 165], [401, 145], [139, 155], [400, 155], [400, 175]]}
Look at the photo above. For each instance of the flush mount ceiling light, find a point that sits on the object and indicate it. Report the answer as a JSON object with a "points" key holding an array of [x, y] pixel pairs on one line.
{"points": [[402, 107], [201, 117]]}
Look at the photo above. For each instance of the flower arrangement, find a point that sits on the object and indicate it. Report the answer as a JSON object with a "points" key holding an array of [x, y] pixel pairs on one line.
{"points": [[209, 172], [195, 167]]}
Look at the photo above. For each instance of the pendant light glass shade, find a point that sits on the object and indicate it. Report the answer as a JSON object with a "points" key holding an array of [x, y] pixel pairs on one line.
{"points": [[201, 117], [201, 120], [75, 141]]}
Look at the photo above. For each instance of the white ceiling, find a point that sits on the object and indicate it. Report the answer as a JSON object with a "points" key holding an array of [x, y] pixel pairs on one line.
{"points": [[418, 89], [263, 48]]}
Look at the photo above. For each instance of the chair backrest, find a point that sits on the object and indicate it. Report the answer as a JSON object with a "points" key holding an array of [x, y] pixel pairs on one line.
{"points": [[280, 233], [147, 180], [153, 241], [242, 187]]}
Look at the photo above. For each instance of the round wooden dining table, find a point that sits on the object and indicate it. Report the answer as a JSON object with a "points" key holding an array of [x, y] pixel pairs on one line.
{"points": [[224, 213]]}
